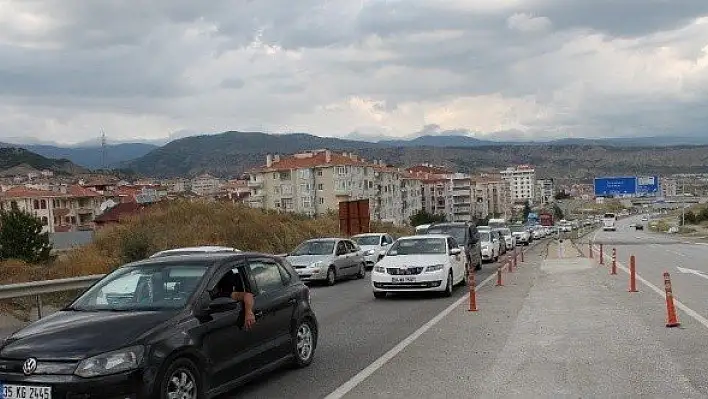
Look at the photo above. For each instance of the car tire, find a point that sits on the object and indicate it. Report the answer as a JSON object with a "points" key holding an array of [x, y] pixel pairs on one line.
{"points": [[449, 285], [331, 276], [179, 377], [304, 343], [362, 272], [380, 294], [478, 267]]}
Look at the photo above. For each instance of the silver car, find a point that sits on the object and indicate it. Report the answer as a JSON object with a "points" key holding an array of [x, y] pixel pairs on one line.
{"points": [[328, 259], [374, 246]]}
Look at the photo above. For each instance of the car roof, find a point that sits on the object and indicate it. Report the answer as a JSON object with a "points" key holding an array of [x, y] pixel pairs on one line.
{"points": [[190, 259], [423, 236], [201, 249], [369, 235], [326, 239]]}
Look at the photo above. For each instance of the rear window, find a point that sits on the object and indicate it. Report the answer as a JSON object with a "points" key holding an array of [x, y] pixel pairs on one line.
{"points": [[457, 232]]}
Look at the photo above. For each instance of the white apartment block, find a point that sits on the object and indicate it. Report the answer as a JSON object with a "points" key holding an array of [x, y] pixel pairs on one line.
{"points": [[315, 182], [522, 182], [545, 191], [669, 187], [434, 195], [206, 185], [460, 205]]}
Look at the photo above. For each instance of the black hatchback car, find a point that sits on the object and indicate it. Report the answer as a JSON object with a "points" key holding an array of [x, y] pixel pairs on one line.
{"points": [[159, 328], [467, 236]]}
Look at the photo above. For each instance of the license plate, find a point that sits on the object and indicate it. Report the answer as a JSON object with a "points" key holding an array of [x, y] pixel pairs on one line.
{"points": [[9, 391], [407, 279]]}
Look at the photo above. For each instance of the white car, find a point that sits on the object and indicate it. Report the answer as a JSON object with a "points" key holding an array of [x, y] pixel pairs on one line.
{"points": [[431, 262], [490, 246], [374, 246], [509, 238], [208, 249]]}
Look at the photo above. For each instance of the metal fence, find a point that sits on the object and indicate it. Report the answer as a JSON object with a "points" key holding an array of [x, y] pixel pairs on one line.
{"points": [[38, 288]]}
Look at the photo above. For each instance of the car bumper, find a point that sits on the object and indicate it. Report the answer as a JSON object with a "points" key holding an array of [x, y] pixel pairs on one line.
{"points": [[119, 386], [371, 260], [487, 254], [312, 274], [419, 282]]}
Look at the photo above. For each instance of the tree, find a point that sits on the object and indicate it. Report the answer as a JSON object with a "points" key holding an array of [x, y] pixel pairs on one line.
{"points": [[21, 237], [424, 217], [527, 211], [558, 212]]}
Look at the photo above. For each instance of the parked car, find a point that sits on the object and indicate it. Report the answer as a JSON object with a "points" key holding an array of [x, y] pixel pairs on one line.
{"points": [[194, 250], [501, 240], [160, 328], [467, 237], [328, 260], [374, 246], [490, 245], [430, 262]]}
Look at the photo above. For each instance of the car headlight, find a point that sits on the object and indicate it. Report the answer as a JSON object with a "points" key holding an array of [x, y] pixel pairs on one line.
{"points": [[379, 269], [434, 268], [111, 362], [369, 252]]}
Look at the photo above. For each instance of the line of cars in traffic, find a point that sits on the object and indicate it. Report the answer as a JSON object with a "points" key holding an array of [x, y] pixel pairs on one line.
{"points": [[168, 326]]}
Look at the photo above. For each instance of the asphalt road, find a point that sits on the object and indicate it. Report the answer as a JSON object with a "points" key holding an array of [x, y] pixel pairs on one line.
{"points": [[356, 329]]}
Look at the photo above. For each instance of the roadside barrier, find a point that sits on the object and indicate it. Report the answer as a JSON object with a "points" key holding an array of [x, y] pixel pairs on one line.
{"points": [[509, 265], [602, 255], [632, 274], [614, 261], [522, 256], [499, 277], [516, 255], [671, 318], [473, 293], [590, 250]]}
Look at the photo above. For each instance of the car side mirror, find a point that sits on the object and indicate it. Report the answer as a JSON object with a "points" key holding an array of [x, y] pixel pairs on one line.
{"points": [[221, 305], [455, 251]]}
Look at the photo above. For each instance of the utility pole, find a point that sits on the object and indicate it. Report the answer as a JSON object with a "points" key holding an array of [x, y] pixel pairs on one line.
{"points": [[683, 202]]}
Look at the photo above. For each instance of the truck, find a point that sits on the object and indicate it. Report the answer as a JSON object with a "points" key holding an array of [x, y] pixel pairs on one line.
{"points": [[546, 219]]}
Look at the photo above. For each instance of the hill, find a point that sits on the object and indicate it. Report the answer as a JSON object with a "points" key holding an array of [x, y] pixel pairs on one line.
{"points": [[90, 156], [15, 160], [230, 153]]}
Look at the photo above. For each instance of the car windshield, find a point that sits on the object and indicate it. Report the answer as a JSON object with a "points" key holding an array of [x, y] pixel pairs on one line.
{"points": [[419, 246], [458, 233], [367, 240], [609, 216], [321, 247], [505, 232], [517, 229], [146, 287], [485, 236]]}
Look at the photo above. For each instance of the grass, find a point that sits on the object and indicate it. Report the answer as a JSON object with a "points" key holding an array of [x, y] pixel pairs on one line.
{"points": [[183, 223]]}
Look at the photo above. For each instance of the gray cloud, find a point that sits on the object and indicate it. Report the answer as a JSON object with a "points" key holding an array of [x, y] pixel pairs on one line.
{"points": [[528, 69]]}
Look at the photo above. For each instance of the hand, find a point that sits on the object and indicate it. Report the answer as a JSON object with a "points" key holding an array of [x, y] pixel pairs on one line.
{"points": [[250, 320]]}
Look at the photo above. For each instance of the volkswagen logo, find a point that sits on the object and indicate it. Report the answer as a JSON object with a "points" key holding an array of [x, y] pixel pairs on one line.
{"points": [[30, 366]]}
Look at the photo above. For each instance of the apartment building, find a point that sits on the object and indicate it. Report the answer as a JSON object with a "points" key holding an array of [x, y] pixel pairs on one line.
{"points": [[434, 194], [459, 203], [669, 187], [492, 197], [315, 182], [545, 191], [67, 208], [206, 185], [522, 182]]}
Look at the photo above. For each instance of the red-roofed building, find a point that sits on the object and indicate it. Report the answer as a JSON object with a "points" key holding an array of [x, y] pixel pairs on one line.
{"points": [[67, 208], [314, 182], [118, 213]]}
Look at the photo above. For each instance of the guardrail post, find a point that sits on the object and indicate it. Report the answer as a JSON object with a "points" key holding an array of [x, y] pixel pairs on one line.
{"points": [[39, 306]]}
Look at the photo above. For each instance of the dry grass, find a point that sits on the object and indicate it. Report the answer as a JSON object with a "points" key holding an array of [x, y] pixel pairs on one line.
{"points": [[180, 224]]}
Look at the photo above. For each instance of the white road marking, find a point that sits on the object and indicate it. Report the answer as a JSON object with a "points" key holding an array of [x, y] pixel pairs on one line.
{"points": [[692, 271], [386, 357], [692, 313]]}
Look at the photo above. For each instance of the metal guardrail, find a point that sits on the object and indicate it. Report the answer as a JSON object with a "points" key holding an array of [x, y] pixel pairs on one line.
{"points": [[38, 288]]}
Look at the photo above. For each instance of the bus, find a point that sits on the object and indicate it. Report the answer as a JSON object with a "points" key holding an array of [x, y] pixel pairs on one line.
{"points": [[608, 222]]}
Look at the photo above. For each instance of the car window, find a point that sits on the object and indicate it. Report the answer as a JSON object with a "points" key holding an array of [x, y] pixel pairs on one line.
{"points": [[350, 246], [341, 248], [451, 243], [388, 240], [266, 275]]}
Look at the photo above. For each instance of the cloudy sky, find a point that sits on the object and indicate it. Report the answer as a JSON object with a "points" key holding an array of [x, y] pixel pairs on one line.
{"points": [[153, 69]]}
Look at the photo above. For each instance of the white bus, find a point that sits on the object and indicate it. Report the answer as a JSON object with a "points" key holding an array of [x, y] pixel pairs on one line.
{"points": [[608, 222]]}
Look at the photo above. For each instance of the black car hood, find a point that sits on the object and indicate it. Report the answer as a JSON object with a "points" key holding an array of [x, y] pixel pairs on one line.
{"points": [[71, 335]]}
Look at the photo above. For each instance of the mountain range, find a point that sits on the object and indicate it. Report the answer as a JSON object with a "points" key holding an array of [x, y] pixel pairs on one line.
{"points": [[232, 153]]}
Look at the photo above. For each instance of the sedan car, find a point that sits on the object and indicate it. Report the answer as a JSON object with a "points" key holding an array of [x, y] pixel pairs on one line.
{"points": [[490, 246], [328, 260], [374, 246], [509, 239], [162, 328], [428, 262]]}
